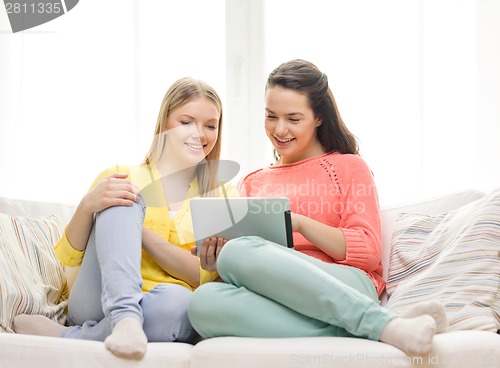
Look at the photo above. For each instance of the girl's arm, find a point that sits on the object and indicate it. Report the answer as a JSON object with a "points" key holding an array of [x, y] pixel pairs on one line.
{"points": [[176, 261], [113, 190], [356, 240], [330, 240]]}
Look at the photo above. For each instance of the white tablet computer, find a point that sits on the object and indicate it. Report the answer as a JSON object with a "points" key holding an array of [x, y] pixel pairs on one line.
{"points": [[232, 217]]}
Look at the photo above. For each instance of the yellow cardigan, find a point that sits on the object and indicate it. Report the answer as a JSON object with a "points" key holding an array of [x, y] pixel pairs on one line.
{"points": [[178, 230]]}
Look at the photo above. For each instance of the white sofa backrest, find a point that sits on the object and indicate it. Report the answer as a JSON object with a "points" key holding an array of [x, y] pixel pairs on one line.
{"points": [[19, 207]]}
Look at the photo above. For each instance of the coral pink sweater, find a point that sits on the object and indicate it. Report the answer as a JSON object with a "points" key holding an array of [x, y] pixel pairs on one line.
{"points": [[337, 190]]}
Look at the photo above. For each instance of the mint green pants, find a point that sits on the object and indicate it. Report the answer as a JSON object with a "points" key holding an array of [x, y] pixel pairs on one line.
{"points": [[273, 291]]}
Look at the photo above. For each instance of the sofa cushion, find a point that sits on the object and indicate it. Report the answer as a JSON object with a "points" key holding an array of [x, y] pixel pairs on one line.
{"points": [[433, 206], [458, 349], [464, 349], [453, 258], [338, 352], [32, 280], [28, 351]]}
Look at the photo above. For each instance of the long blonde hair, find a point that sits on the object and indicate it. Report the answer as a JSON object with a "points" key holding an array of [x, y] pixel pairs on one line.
{"points": [[180, 93]]}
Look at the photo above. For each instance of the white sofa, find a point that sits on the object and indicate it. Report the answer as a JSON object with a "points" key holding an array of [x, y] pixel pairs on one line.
{"points": [[457, 349]]}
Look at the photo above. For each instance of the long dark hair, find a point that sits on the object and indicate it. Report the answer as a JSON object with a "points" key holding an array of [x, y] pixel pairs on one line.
{"points": [[304, 77]]}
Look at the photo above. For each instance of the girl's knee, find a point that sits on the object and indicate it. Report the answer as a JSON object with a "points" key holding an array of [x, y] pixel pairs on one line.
{"points": [[136, 210], [238, 250], [239, 254]]}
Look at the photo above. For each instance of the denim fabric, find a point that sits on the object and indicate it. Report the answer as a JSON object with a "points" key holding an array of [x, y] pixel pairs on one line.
{"points": [[108, 285]]}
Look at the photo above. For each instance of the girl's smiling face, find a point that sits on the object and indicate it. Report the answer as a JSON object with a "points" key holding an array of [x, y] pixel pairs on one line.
{"points": [[192, 130], [291, 125]]}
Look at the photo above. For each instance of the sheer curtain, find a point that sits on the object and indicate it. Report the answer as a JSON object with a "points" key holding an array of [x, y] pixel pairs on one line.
{"points": [[417, 81], [405, 76], [68, 101], [82, 93]]}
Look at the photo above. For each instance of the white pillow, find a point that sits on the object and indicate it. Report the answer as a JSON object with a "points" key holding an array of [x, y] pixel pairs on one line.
{"points": [[32, 280], [453, 258]]}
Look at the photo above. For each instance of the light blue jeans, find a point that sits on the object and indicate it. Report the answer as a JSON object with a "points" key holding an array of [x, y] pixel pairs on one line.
{"points": [[108, 285], [273, 291]]}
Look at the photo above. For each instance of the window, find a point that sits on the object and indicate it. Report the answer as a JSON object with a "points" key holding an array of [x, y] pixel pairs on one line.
{"points": [[82, 92], [416, 81]]}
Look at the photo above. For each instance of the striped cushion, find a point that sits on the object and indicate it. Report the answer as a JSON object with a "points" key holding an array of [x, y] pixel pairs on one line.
{"points": [[453, 258], [31, 279]]}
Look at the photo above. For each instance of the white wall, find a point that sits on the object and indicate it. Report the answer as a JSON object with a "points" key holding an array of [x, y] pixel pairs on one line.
{"points": [[370, 52], [416, 80], [82, 92], [488, 87], [68, 97]]}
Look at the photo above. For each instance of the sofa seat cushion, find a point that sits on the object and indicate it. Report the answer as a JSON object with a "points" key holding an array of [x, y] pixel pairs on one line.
{"points": [[54, 352], [458, 349], [338, 352], [464, 349]]}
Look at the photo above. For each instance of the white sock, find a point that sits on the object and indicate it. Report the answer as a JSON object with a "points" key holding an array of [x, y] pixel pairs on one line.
{"points": [[434, 309], [128, 339], [412, 335], [34, 324]]}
